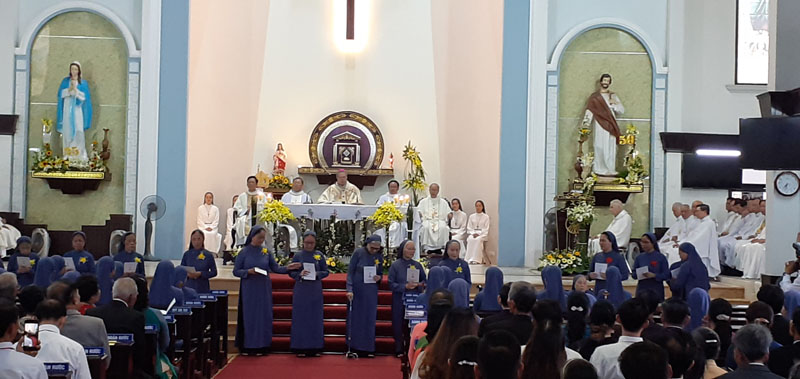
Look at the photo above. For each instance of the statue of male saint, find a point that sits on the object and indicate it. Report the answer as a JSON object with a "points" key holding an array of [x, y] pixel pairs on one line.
{"points": [[602, 109]]}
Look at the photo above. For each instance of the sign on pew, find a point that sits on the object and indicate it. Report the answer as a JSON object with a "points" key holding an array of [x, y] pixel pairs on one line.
{"points": [[95, 352], [57, 369], [121, 338]]}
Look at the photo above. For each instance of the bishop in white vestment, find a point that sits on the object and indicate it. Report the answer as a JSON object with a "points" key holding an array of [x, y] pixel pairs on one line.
{"points": [[620, 226], [247, 206], [432, 212], [341, 192], [477, 233], [208, 222], [398, 231]]}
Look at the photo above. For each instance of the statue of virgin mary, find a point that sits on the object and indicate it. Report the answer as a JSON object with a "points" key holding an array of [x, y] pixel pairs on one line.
{"points": [[74, 113]]}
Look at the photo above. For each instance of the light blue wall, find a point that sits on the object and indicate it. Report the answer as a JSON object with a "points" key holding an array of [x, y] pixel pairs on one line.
{"points": [[172, 127], [513, 132], [649, 15]]}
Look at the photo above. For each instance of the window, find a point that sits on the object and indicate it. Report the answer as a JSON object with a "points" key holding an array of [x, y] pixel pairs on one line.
{"points": [[752, 41]]}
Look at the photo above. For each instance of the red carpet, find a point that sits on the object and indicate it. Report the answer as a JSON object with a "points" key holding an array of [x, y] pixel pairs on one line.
{"points": [[326, 366]]}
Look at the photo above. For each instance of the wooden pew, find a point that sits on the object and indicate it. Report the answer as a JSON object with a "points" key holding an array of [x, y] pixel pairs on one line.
{"points": [[96, 357], [210, 366], [151, 346], [222, 327], [121, 355], [199, 343], [183, 332]]}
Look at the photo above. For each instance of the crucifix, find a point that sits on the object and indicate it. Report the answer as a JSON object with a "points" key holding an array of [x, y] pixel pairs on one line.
{"points": [[351, 11]]}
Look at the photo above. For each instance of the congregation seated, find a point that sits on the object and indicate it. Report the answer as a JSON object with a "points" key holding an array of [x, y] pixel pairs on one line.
{"points": [[758, 313], [432, 363], [8, 286], [782, 359], [602, 318], [521, 299], [633, 316], [708, 346], [85, 330], [773, 296], [505, 313], [13, 362], [752, 346], [56, 348], [485, 301], [88, 292], [163, 366]]}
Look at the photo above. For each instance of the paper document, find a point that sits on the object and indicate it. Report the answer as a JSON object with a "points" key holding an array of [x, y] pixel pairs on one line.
{"points": [[641, 271], [24, 262], [412, 275], [261, 271], [189, 269], [171, 304], [312, 271], [600, 268], [129, 267], [369, 273], [675, 272], [69, 264]]}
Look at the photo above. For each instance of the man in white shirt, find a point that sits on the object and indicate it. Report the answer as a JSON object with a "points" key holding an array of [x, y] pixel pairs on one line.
{"points": [[56, 348], [645, 360], [633, 315], [620, 226], [13, 363]]}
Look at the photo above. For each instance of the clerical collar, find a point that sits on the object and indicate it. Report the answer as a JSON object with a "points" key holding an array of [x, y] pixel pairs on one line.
{"points": [[254, 193], [301, 193]]}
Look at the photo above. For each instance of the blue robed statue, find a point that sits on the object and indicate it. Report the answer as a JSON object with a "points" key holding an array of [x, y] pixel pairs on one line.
{"points": [[74, 113]]}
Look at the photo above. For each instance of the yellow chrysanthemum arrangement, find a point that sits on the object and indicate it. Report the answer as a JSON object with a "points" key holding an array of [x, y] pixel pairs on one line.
{"points": [[570, 262], [386, 214], [279, 182], [335, 266], [275, 212], [415, 174], [45, 160]]}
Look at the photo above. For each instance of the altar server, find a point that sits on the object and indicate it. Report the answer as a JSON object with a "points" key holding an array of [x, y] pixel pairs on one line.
{"points": [[307, 303], [432, 212], [8, 237], [127, 253], [254, 328], [247, 206], [657, 267], [105, 270], [400, 282], [615, 293], [398, 230], [25, 273], [84, 260], [553, 287], [162, 288], [692, 273], [296, 195], [457, 221], [458, 266], [704, 239], [363, 296], [751, 221], [620, 226], [436, 280], [189, 294], [44, 273], [677, 226], [699, 302], [202, 261], [341, 192], [750, 254], [208, 222], [610, 256], [487, 299], [477, 233], [230, 220]]}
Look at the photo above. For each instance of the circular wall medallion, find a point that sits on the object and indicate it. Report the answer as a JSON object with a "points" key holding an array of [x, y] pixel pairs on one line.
{"points": [[346, 140]]}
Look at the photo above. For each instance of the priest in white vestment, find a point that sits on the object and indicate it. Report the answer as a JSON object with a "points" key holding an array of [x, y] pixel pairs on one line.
{"points": [[458, 226], [247, 206], [230, 220], [734, 214], [296, 195], [704, 239], [341, 192], [750, 255], [8, 237], [669, 247], [208, 222], [398, 231], [620, 226], [432, 212], [477, 233], [745, 229], [677, 225]]}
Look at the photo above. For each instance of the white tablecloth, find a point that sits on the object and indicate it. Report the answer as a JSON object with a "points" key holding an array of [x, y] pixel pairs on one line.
{"points": [[341, 211]]}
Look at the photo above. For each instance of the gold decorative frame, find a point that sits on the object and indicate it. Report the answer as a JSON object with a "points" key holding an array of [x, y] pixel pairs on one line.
{"points": [[340, 116]]}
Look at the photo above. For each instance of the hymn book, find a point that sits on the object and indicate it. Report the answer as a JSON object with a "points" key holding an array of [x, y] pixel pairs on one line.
{"points": [[24, 262], [412, 275], [641, 271], [312, 271], [70, 264], [369, 274], [129, 267], [600, 268]]}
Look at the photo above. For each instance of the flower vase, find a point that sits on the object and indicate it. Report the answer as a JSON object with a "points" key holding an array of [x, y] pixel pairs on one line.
{"points": [[582, 239], [105, 153]]}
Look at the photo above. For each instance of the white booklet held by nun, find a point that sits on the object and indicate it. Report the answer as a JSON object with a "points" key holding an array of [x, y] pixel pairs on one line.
{"points": [[600, 268], [369, 274], [312, 271], [641, 271], [69, 264], [24, 262], [412, 275], [129, 267]]}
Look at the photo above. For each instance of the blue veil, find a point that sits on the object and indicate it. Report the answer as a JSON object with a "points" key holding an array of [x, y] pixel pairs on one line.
{"points": [[460, 289], [553, 288], [616, 293], [698, 300], [85, 105], [44, 272], [105, 266]]}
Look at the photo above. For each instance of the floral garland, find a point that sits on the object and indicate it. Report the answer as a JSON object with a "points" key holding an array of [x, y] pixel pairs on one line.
{"points": [[415, 174], [279, 182], [274, 212], [570, 262]]}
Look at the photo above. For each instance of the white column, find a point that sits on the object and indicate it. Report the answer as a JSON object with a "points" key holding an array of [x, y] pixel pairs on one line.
{"points": [[8, 31]]}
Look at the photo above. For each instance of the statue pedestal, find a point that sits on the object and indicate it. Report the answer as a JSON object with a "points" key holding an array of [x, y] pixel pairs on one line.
{"points": [[359, 177], [73, 182], [605, 192]]}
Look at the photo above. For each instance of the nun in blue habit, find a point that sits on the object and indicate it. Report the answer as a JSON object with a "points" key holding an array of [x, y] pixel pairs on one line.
{"points": [[580, 283], [203, 262], [105, 281], [181, 274], [486, 300], [162, 290], [437, 279], [24, 275], [44, 272], [308, 335], [254, 328], [71, 276], [127, 253], [460, 290], [119, 270], [609, 255], [657, 266], [84, 260], [399, 284], [553, 288], [692, 272], [451, 260], [616, 294], [363, 297], [59, 268], [699, 302]]}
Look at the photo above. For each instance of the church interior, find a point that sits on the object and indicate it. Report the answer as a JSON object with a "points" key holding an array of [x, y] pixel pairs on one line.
{"points": [[643, 146]]}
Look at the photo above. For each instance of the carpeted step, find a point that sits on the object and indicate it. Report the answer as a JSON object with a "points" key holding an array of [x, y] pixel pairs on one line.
{"points": [[383, 345], [337, 328], [284, 297], [339, 312], [333, 281]]}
